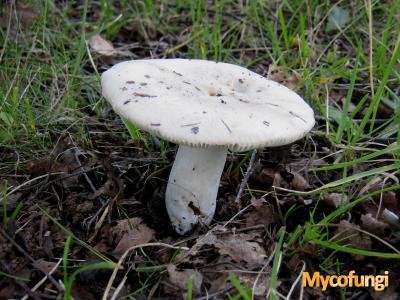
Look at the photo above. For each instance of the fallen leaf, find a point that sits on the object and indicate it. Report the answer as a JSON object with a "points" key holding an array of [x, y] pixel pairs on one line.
{"points": [[112, 187], [101, 45], [105, 48], [371, 224], [220, 283], [241, 248], [262, 214], [386, 200], [279, 181], [259, 288], [372, 186], [348, 235], [263, 178], [299, 183], [41, 264], [332, 199], [44, 166], [131, 233], [283, 76], [181, 278]]}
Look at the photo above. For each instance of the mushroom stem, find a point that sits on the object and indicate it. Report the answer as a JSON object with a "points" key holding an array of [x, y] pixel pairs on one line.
{"points": [[193, 186]]}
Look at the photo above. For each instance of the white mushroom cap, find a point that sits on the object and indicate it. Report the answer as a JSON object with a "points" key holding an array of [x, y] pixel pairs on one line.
{"points": [[202, 103]]}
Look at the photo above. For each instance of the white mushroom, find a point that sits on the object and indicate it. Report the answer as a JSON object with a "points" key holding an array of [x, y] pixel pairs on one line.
{"points": [[206, 108]]}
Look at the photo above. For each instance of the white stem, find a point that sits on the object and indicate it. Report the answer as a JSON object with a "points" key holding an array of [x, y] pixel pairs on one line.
{"points": [[193, 186]]}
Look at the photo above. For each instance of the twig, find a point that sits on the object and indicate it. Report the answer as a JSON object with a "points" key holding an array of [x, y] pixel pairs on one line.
{"points": [[91, 220], [49, 181], [21, 284], [236, 215], [289, 295], [246, 177], [119, 288], [84, 173], [98, 225], [121, 260], [216, 294], [261, 272], [20, 249], [31, 180], [43, 280], [237, 230]]}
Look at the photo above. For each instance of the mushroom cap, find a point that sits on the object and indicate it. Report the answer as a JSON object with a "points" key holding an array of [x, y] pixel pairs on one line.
{"points": [[202, 103]]}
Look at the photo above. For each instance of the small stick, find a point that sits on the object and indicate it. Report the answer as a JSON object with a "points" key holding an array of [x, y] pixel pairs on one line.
{"points": [[21, 284], [93, 218], [216, 294], [84, 173], [43, 280], [20, 249], [121, 260], [246, 177]]}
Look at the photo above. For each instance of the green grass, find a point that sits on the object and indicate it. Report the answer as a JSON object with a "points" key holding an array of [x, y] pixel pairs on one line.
{"points": [[243, 292], [48, 86], [70, 278]]}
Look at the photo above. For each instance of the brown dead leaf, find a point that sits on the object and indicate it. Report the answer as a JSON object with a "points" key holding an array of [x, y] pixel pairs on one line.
{"points": [[283, 76], [279, 181], [105, 48], [261, 286], [348, 235], [241, 248], [310, 249], [130, 233], [299, 183], [44, 166], [262, 214], [263, 178], [70, 164], [221, 282], [112, 187], [332, 199], [41, 264], [372, 225], [101, 46], [373, 185], [387, 200], [181, 278], [384, 111]]}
